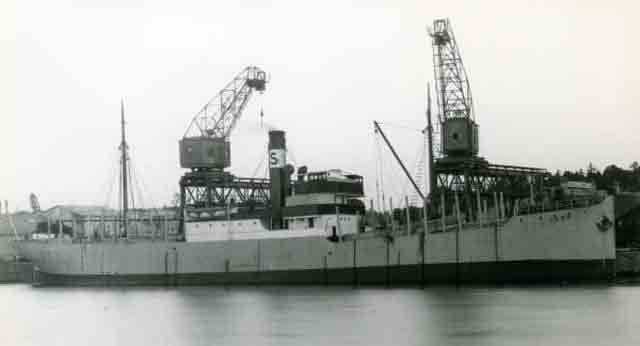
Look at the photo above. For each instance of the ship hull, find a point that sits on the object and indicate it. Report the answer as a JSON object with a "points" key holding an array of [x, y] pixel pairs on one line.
{"points": [[520, 272], [556, 246]]}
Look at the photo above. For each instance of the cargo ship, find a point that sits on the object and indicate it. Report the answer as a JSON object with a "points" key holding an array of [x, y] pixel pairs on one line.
{"points": [[324, 242], [478, 223], [327, 237]]}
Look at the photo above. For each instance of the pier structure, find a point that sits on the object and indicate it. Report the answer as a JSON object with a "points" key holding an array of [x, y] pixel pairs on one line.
{"points": [[211, 190], [455, 166]]}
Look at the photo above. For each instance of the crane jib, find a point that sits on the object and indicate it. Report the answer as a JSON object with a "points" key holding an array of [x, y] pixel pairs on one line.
{"points": [[205, 143]]}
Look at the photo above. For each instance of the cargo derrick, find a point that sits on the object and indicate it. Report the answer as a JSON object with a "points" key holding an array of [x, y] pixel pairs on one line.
{"points": [[207, 190], [456, 167]]}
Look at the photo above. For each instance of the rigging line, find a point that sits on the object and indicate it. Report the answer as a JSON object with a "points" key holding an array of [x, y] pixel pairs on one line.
{"points": [[131, 191], [255, 172], [141, 187], [377, 178], [104, 186], [392, 183], [417, 166], [402, 126], [427, 164], [145, 192], [120, 189], [136, 184], [291, 155], [396, 188], [135, 187], [110, 183], [377, 169], [380, 170], [393, 180], [377, 193], [266, 171]]}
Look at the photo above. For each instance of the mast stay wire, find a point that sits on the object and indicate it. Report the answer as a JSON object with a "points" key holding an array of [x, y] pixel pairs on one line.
{"points": [[255, 171], [120, 189], [291, 155], [400, 126], [110, 184], [260, 102], [376, 163], [141, 189], [420, 154], [137, 188], [391, 185], [266, 171], [132, 191], [380, 172]]}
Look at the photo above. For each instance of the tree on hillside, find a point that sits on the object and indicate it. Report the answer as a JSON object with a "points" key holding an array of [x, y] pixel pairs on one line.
{"points": [[611, 176]]}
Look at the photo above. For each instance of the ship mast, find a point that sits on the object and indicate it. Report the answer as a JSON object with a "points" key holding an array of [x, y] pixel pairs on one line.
{"points": [[429, 133], [123, 161]]}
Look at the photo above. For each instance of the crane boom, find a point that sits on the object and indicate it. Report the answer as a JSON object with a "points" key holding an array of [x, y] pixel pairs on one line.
{"points": [[452, 82], [457, 122], [218, 117], [205, 144]]}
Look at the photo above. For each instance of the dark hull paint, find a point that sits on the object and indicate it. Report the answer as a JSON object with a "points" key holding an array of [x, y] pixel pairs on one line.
{"points": [[12, 272], [516, 272]]}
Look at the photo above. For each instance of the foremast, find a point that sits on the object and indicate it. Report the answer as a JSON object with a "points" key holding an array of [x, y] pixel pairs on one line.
{"points": [[123, 165]]}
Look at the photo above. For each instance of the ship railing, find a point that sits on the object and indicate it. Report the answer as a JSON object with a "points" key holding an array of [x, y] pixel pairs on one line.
{"points": [[502, 216], [448, 224], [437, 226], [572, 203]]}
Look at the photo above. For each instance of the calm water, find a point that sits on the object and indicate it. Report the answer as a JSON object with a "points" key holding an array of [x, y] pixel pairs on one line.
{"points": [[320, 316]]}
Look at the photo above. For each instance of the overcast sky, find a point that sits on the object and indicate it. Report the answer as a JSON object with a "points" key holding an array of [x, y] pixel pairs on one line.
{"points": [[554, 82]]}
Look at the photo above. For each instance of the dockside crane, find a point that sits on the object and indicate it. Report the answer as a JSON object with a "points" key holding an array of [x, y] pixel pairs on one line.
{"points": [[205, 144], [456, 115], [205, 149], [457, 169]]}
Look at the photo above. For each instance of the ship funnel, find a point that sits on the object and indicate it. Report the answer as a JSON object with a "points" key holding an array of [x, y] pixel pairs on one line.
{"points": [[278, 176]]}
